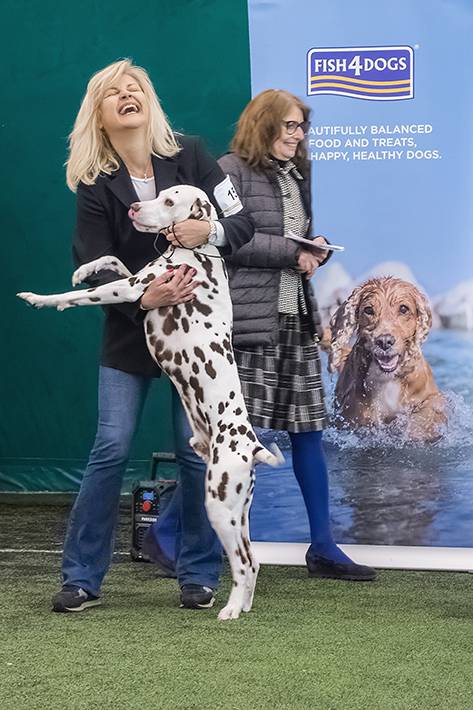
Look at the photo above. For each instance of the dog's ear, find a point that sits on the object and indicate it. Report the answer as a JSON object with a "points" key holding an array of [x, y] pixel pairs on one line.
{"points": [[324, 342], [343, 325], [424, 317], [200, 209], [207, 207], [196, 209]]}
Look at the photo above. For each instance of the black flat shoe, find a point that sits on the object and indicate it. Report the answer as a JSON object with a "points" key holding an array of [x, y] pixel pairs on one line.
{"points": [[153, 551], [327, 569]]}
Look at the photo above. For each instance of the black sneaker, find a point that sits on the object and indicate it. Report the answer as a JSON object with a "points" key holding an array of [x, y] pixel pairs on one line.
{"points": [[195, 596], [73, 599]]}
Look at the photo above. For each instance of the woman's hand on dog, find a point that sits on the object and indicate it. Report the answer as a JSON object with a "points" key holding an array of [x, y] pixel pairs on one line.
{"points": [[190, 233], [173, 287]]}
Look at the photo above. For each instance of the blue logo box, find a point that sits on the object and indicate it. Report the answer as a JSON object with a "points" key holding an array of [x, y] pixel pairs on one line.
{"points": [[373, 73]]}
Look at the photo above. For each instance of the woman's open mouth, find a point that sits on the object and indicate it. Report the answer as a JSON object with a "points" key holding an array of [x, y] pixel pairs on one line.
{"points": [[128, 108]]}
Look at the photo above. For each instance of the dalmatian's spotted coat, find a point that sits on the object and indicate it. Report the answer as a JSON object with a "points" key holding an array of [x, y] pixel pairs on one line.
{"points": [[192, 343]]}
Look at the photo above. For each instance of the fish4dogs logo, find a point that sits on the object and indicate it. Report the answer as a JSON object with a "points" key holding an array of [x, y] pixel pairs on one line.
{"points": [[374, 73]]}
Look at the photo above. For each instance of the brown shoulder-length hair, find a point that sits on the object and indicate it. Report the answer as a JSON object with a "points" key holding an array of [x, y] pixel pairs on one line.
{"points": [[260, 125]]}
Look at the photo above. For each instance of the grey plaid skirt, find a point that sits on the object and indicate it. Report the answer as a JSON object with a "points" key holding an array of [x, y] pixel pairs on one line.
{"points": [[282, 383]]}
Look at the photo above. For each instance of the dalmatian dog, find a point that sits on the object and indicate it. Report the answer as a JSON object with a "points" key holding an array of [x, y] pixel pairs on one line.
{"points": [[192, 343]]}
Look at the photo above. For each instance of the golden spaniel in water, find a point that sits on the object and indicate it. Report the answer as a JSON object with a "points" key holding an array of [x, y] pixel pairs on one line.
{"points": [[385, 375]]}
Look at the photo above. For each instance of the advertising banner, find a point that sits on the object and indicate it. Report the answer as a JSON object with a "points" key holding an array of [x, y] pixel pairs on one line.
{"points": [[391, 149]]}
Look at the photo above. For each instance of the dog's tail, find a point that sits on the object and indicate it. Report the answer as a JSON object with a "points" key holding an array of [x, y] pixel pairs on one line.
{"points": [[273, 457]]}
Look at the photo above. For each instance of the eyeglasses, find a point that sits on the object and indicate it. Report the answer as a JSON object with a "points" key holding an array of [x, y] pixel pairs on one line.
{"points": [[292, 126]]}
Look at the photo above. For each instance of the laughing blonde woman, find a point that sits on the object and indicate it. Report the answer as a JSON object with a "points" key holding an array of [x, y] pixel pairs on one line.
{"points": [[122, 149]]}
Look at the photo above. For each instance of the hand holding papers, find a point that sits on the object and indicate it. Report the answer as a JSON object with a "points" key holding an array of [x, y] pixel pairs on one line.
{"points": [[308, 243]]}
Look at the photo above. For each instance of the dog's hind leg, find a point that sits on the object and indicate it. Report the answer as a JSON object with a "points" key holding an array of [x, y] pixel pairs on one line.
{"points": [[231, 541], [253, 564], [110, 263], [224, 502]]}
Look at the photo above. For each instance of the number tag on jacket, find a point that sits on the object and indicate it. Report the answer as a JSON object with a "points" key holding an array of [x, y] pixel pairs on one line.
{"points": [[227, 197]]}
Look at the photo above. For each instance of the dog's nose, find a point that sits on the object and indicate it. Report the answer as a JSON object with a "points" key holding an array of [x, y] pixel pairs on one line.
{"points": [[135, 207], [385, 341]]}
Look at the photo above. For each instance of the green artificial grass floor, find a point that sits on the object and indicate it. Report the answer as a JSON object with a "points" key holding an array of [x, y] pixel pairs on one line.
{"points": [[405, 641]]}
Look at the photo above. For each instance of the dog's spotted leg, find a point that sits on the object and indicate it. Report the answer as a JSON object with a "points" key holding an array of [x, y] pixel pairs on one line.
{"points": [[111, 263], [224, 503], [253, 564], [126, 290]]}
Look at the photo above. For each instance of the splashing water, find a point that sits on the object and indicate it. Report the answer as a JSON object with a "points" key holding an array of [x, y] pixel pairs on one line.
{"points": [[457, 432], [386, 489]]}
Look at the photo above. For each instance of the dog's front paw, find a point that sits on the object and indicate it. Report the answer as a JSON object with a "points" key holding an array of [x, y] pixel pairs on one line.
{"points": [[80, 275], [32, 298]]}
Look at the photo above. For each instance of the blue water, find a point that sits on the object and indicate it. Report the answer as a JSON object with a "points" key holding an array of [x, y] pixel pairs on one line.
{"points": [[383, 490]]}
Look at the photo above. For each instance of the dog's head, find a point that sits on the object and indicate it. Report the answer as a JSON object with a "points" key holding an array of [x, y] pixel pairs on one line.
{"points": [[172, 205], [390, 319]]}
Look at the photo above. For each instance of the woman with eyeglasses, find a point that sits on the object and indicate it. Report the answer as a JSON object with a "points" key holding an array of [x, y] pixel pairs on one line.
{"points": [[276, 322]]}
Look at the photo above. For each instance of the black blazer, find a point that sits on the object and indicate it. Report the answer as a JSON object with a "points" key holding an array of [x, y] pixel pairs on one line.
{"points": [[103, 227]]}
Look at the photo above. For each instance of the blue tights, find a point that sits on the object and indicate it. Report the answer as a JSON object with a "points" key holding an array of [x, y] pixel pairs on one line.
{"points": [[310, 469]]}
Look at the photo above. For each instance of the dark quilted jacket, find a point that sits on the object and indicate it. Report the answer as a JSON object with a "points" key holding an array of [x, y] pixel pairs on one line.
{"points": [[255, 268]]}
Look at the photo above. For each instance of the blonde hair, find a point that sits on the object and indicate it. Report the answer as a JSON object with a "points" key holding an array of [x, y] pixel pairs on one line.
{"points": [[260, 125], [90, 151]]}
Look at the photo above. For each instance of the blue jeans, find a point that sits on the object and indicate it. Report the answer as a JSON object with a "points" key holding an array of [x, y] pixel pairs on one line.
{"points": [[89, 543]]}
